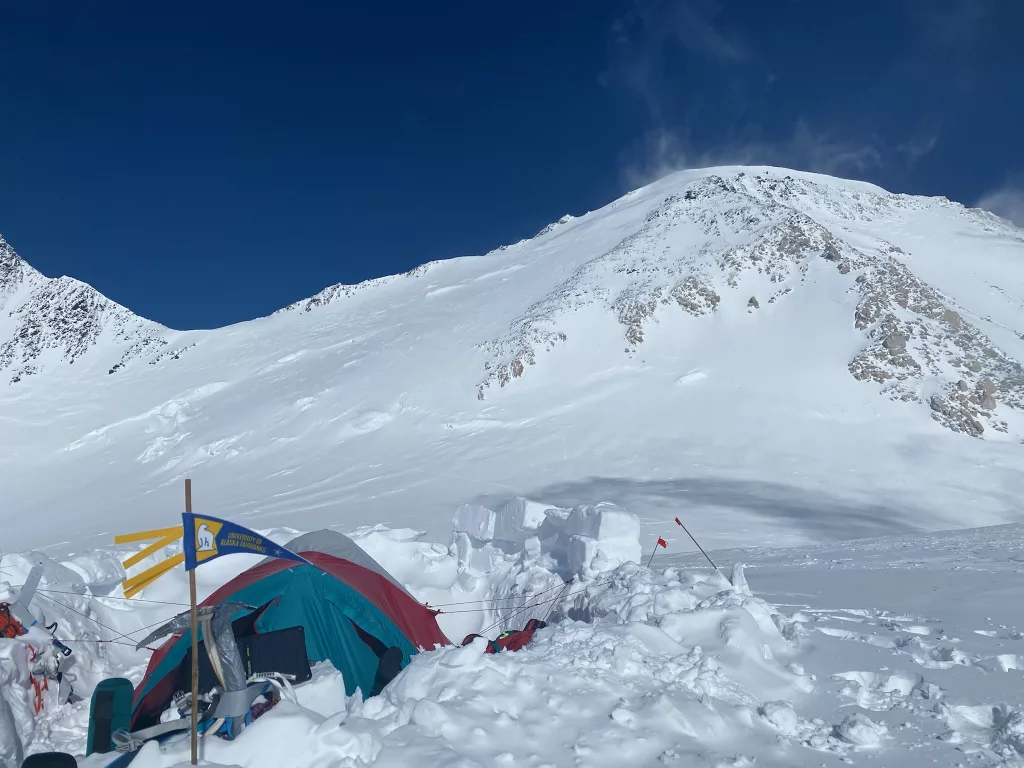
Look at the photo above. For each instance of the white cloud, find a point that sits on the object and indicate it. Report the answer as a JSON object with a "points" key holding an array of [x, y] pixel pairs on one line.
{"points": [[919, 146], [651, 32], [647, 40], [1007, 203], [662, 152], [658, 154], [954, 24], [652, 25]]}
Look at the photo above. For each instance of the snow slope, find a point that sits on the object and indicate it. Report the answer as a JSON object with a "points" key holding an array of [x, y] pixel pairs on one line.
{"points": [[785, 357]]}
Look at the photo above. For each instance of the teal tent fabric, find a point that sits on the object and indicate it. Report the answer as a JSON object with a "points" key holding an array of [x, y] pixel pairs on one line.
{"points": [[325, 607], [352, 611]]}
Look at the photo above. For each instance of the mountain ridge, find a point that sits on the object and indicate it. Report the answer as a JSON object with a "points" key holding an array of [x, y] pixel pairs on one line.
{"points": [[824, 341], [772, 205]]}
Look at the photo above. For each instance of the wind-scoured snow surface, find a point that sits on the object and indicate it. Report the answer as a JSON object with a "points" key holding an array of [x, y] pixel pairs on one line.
{"points": [[890, 651], [788, 358]]}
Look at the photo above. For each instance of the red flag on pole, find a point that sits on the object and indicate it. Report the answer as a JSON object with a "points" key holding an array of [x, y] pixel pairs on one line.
{"points": [[659, 543]]}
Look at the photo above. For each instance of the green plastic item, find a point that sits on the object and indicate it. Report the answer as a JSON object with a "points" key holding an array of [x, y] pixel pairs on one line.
{"points": [[109, 712]]}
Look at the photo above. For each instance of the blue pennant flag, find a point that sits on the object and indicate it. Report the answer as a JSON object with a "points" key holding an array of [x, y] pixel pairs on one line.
{"points": [[207, 538]]}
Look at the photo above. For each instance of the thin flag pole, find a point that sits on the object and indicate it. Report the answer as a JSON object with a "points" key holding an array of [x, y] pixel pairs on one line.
{"points": [[195, 637], [659, 543], [680, 522]]}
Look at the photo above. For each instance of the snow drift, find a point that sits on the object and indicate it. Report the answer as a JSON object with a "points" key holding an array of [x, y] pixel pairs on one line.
{"points": [[636, 663]]}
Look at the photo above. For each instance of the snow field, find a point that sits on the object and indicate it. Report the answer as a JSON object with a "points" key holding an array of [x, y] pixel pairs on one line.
{"points": [[895, 650], [636, 665]]}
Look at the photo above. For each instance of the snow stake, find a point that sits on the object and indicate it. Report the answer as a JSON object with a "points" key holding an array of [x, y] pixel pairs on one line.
{"points": [[659, 543], [680, 523]]}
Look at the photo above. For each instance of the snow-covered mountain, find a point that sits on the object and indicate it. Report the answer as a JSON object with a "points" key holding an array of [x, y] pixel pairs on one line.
{"points": [[48, 322], [781, 356]]}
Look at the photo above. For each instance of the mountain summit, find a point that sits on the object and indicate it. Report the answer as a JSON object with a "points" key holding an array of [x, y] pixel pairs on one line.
{"points": [[719, 334]]}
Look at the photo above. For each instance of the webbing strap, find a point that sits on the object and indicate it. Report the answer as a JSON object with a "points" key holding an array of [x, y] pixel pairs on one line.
{"points": [[129, 742], [231, 704]]}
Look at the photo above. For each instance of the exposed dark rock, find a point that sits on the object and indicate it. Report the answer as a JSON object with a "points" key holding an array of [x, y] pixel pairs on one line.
{"points": [[895, 343], [952, 318]]}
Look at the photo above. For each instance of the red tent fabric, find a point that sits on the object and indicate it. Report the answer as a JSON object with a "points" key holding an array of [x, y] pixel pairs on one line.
{"points": [[358, 571]]}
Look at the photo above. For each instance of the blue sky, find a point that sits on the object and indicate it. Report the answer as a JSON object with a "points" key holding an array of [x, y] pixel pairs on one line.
{"points": [[206, 163]]}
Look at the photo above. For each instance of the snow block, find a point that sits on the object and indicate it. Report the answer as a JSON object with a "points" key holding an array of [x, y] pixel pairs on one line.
{"points": [[461, 547], [587, 554], [532, 547], [520, 519], [472, 553], [475, 520], [603, 521], [739, 580], [580, 552]]}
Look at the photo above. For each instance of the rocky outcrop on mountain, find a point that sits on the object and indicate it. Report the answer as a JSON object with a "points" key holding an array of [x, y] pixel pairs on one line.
{"points": [[743, 230], [58, 321], [914, 331], [341, 291], [768, 224], [13, 271]]}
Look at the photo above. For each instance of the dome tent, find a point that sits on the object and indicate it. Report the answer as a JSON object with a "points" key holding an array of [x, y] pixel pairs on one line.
{"points": [[350, 609]]}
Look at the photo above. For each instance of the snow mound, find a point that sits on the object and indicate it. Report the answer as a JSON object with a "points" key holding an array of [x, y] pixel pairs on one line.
{"points": [[862, 731], [675, 665], [635, 665]]}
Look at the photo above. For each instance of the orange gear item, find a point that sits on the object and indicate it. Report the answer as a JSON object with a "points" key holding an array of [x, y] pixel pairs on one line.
{"points": [[10, 627], [37, 702]]}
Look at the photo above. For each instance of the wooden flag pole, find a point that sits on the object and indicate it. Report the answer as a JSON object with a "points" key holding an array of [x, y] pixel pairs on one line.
{"points": [[195, 638]]}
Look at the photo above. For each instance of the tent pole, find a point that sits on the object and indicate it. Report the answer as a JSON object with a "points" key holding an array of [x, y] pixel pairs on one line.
{"points": [[195, 638]]}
